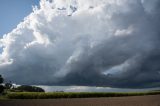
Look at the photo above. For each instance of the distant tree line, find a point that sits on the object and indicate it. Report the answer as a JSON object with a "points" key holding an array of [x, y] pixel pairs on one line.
{"points": [[22, 88], [27, 88]]}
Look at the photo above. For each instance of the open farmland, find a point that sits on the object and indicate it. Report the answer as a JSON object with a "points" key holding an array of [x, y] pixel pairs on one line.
{"points": [[149, 100]]}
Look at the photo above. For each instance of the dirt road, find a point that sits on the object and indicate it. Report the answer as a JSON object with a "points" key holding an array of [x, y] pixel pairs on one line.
{"points": [[152, 100]]}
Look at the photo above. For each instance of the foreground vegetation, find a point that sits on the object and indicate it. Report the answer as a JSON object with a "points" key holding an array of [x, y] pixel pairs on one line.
{"points": [[56, 95]]}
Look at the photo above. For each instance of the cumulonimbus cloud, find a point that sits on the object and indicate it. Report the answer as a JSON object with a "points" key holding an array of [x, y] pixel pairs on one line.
{"points": [[111, 43]]}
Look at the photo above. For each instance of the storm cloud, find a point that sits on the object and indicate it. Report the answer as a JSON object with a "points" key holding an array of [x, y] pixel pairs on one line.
{"points": [[112, 43]]}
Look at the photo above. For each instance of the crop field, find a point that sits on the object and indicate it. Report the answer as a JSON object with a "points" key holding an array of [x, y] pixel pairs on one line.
{"points": [[56, 95], [147, 100]]}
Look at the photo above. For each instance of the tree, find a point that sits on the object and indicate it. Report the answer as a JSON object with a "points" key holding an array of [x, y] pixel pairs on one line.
{"points": [[8, 85], [1, 86]]}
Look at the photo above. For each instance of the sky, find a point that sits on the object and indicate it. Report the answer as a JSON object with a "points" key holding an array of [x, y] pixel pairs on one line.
{"points": [[111, 43], [13, 12], [92, 89]]}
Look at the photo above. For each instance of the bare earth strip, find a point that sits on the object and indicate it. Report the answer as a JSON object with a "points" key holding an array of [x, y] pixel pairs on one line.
{"points": [[152, 100]]}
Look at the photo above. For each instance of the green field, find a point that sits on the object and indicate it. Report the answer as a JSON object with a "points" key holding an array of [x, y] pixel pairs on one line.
{"points": [[56, 95]]}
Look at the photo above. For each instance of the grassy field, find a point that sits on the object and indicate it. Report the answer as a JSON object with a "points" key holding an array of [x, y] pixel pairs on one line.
{"points": [[56, 95]]}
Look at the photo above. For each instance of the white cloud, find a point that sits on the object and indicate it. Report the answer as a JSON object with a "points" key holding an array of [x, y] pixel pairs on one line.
{"points": [[124, 32]]}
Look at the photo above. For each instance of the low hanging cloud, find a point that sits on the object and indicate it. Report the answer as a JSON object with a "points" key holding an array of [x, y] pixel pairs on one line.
{"points": [[112, 43]]}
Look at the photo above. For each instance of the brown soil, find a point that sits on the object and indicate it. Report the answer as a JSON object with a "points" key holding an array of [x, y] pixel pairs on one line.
{"points": [[152, 100]]}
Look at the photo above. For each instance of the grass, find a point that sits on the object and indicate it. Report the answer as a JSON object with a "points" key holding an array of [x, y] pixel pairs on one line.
{"points": [[56, 95]]}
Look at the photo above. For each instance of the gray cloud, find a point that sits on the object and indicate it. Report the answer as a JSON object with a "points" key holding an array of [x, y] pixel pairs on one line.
{"points": [[114, 43]]}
